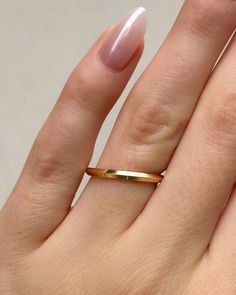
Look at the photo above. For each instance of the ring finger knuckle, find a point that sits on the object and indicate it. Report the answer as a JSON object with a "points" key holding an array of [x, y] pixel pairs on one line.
{"points": [[154, 122]]}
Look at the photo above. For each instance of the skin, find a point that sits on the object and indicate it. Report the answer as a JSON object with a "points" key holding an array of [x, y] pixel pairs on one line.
{"points": [[124, 237]]}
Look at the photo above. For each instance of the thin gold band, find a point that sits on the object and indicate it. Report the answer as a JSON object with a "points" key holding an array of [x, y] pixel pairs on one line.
{"points": [[125, 175]]}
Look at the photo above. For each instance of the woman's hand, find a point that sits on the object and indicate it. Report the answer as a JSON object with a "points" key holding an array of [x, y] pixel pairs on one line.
{"points": [[127, 237]]}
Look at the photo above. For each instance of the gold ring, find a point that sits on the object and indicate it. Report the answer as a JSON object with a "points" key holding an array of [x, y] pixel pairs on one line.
{"points": [[125, 175]]}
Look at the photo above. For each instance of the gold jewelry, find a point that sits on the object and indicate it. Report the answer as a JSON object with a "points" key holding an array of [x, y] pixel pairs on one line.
{"points": [[125, 175]]}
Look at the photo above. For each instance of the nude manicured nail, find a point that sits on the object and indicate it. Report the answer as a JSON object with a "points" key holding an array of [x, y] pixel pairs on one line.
{"points": [[124, 39]]}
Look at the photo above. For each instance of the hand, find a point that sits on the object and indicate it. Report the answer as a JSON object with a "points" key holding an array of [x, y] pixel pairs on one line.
{"points": [[126, 237]]}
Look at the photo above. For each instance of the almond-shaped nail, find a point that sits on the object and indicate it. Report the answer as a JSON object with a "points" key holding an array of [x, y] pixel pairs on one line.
{"points": [[124, 39]]}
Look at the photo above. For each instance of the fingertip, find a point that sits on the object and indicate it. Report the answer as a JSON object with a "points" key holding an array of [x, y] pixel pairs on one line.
{"points": [[123, 40]]}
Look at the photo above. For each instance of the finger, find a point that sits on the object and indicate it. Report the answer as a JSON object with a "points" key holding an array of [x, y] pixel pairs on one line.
{"points": [[222, 249], [158, 109], [203, 170], [64, 146]]}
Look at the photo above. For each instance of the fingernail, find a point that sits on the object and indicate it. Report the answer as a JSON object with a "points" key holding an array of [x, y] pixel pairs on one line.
{"points": [[124, 39]]}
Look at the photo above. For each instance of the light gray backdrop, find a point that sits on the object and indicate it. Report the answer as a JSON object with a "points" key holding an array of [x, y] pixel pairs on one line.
{"points": [[41, 42]]}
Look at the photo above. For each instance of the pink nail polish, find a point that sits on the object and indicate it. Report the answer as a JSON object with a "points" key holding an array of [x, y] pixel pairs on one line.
{"points": [[124, 39]]}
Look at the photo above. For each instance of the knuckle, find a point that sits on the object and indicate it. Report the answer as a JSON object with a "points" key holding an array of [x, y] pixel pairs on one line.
{"points": [[47, 167], [84, 93], [205, 16], [79, 93], [220, 121], [154, 122]]}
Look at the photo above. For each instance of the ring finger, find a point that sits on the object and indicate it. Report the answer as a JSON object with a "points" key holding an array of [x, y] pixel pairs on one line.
{"points": [[157, 111]]}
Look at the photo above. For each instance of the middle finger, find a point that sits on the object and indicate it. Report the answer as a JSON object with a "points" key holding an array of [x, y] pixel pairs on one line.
{"points": [[158, 109]]}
